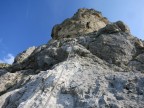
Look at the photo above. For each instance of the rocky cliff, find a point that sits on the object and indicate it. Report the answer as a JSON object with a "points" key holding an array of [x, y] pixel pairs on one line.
{"points": [[90, 62]]}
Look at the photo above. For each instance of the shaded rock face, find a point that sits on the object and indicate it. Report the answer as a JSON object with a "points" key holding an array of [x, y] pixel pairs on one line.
{"points": [[118, 26], [115, 48], [43, 57], [83, 22], [101, 69]]}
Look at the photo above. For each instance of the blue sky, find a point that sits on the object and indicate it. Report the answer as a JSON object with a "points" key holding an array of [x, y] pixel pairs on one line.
{"points": [[26, 23]]}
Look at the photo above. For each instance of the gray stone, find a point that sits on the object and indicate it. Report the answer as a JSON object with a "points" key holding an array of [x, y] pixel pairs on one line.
{"points": [[114, 48], [4, 65], [24, 55], [118, 26], [101, 69]]}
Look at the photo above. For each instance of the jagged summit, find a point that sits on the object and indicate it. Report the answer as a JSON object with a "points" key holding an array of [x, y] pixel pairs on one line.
{"points": [[83, 22], [89, 63]]}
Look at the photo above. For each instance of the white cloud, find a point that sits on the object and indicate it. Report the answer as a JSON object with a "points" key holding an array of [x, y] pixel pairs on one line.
{"points": [[9, 58]]}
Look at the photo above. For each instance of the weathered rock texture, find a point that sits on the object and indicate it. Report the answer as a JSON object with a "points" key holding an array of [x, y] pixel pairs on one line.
{"points": [[83, 22], [4, 65], [101, 69], [24, 55]]}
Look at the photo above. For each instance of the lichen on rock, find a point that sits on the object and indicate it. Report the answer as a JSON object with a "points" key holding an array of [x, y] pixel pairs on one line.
{"points": [[83, 22]]}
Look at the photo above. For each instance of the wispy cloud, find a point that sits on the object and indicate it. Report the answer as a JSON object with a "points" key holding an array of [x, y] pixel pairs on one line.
{"points": [[9, 58]]}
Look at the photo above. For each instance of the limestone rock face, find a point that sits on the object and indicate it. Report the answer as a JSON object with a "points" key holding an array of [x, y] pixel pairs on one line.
{"points": [[103, 69], [25, 54], [83, 22], [4, 65]]}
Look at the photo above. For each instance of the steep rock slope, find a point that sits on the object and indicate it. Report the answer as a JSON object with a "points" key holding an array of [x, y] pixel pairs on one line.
{"points": [[99, 67]]}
